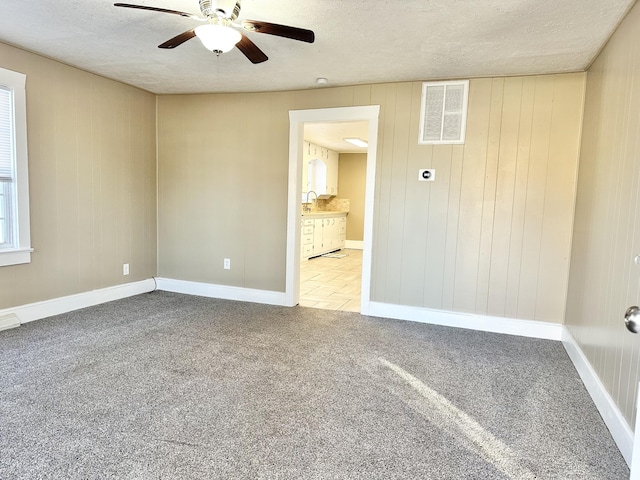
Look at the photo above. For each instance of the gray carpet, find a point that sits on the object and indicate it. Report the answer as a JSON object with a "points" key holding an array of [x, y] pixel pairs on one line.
{"points": [[169, 386]]}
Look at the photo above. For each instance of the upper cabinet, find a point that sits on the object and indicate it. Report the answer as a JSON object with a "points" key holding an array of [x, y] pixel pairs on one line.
{"points": [[319, 171], [317, 176], [332, 172]]}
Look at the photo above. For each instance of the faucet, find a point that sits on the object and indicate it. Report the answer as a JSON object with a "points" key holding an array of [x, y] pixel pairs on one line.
{"points": [[307, 208]]}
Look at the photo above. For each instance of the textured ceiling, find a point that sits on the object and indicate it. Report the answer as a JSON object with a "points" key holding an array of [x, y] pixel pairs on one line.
{"points": [[357, 41]]}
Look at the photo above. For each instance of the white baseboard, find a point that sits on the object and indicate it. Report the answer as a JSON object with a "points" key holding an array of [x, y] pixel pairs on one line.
{"points": [[221, 291], [9, 321], [634, 474], [354, 244], [611, 414], [485, 323], [56, 306]]}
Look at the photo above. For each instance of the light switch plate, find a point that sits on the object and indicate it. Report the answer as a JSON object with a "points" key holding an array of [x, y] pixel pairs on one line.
{"points": [[427, 174]]}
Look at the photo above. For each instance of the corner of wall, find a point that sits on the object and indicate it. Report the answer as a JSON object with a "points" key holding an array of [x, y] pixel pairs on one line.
{"points": [[611, 414]]}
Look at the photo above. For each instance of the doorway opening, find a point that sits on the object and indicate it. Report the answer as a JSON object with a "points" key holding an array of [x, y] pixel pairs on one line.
{"points": [[298, 120], [333, 197]]}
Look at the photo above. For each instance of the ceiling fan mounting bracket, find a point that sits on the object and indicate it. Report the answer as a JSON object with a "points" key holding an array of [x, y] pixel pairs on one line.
{"points": [[228, 9]]}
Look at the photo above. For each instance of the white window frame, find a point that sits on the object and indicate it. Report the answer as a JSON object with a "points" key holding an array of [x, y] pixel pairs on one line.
{"points": [[463, 126], [20, 251]]}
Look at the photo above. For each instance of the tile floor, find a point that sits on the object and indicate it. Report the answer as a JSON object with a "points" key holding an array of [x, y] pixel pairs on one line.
{"points": [[332, 283]]}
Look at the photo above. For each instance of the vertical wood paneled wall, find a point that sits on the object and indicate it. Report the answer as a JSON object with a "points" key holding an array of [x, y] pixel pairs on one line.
{"points": [[92, 175], [604, 279], [491, 235]]}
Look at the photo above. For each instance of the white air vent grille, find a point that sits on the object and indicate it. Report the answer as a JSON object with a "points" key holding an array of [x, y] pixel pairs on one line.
{"points": [[443, 116]]}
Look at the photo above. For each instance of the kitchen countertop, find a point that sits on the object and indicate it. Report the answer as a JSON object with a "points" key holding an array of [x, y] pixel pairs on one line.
{"points": [[319, 214]]}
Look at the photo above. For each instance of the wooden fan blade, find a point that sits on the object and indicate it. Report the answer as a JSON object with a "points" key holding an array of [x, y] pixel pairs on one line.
{"points": [[251, 51], [179, 39], [286, 31], [156, 9]]}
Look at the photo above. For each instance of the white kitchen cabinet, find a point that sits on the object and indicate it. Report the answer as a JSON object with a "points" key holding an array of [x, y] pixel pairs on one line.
{"points": [[327, 236], [342, 231], [306, 239], [332, 172], [323, 233], [318, 228], [319, 170]]}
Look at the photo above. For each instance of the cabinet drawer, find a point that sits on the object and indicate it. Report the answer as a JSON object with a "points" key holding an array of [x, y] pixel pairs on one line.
{"points": [[307, 250], [307, 221], [307, 230], [342, 228], [307, 239]]}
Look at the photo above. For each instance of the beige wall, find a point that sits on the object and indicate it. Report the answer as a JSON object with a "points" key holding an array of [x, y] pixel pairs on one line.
{"points": [[91, 148], [491, 235], [222, 190], [352, 172], [604, 280]]}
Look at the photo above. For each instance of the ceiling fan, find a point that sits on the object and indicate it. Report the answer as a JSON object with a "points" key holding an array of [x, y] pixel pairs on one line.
{"points": [[220, 34]]}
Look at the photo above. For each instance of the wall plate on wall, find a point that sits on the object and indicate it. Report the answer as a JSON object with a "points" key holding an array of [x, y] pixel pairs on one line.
{"points": [[427, 174]]}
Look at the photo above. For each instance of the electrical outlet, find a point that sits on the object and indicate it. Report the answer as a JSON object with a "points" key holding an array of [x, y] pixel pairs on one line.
{"points": [[227, 264], [427, 174], [125, 269]]}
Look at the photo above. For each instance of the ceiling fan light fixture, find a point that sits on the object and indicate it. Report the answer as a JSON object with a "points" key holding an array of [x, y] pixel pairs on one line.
{"points": [[218, 38]]}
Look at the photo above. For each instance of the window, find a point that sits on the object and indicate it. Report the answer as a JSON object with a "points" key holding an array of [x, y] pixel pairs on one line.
{"points": [[443, 117], [15, 243]]}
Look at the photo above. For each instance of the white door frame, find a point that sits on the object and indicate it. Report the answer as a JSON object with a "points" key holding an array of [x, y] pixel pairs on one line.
{"points": [[297, 119]]}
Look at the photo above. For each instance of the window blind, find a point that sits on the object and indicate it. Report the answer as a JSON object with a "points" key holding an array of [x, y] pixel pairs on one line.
{"points": [[6, 134]]}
